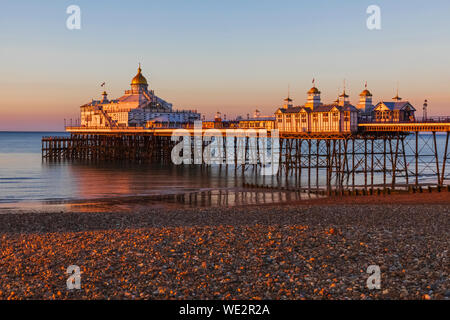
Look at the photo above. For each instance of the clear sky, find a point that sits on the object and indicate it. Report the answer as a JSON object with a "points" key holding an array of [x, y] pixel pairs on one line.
{"points": [[232, 55]]}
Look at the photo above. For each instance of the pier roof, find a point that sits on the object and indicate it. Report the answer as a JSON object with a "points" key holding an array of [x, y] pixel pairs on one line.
{"points": [[394, 106]]}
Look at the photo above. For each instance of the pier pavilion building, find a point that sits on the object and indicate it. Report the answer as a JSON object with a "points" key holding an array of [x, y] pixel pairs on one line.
{"points": [[315, 116], [394, 111], [135, 108]]}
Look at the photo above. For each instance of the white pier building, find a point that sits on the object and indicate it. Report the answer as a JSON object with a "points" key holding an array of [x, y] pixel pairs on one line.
{"points": [[136, 108]]}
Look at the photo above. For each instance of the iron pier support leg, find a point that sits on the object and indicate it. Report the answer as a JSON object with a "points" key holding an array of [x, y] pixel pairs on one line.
{"points": [[444, 160], [436, 156]]}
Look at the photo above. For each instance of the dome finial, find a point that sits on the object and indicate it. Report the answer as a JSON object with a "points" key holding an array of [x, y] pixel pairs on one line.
{"points": [[365, 93], [139, 78], [313, 90]]}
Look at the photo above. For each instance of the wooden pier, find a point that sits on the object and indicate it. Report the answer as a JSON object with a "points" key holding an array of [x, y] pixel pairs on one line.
{"points": [[382, 156]]}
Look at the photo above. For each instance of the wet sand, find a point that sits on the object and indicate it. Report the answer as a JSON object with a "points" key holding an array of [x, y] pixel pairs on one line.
{"points": [[311, 249]]}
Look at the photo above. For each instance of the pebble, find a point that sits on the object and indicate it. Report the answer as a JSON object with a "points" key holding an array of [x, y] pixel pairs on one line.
{"points": [[267, 252]]}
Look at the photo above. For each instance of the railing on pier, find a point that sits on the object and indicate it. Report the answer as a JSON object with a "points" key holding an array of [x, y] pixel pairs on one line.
{"points": [[405, 127], [434, 119]]}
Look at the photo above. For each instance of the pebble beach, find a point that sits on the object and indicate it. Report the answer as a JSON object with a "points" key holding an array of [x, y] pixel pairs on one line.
{"points": [[317, 249]]}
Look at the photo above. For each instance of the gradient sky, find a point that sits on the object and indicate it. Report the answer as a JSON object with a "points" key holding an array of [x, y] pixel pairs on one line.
{"points": [[232, 55]]}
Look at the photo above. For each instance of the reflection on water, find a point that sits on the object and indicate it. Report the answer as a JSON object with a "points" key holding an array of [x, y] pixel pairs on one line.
{"points": [[124, 186], [207, 198], [26, 182]]}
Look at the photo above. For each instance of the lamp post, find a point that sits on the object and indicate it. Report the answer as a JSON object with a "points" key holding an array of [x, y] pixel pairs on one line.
{"points": [[425, 106]]}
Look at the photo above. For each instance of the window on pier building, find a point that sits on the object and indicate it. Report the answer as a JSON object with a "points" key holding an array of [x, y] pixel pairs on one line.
{"points": [[346, 115], [335, 116]]}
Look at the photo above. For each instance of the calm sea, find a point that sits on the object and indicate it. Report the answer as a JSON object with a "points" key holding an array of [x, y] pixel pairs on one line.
{"points": [[27, 181], [25, 177]]}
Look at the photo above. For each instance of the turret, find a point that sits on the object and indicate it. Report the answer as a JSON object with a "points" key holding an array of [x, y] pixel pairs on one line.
{"points": [[365, 101], [139, 82], [288, 100], [218, 117], [343, 99], [104, 97], [287, 103], [313, 99]]}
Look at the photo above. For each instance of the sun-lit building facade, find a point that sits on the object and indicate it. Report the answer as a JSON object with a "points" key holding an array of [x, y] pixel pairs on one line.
{"points": [[394, 111], [258, 121], [314, 116], [365, 106], [136, 108]]}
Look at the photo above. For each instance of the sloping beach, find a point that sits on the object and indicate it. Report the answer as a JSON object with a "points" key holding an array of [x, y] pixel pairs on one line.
{"points": [[318, 249]]}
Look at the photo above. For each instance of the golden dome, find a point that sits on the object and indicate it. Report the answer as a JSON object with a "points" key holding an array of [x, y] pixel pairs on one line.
{"points": [[139, 78], [313, 90], [366, 93]]}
